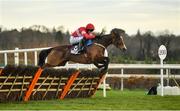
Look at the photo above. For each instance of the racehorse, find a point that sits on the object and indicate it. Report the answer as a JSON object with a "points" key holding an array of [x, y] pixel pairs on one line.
{"points": [[58, 56]]}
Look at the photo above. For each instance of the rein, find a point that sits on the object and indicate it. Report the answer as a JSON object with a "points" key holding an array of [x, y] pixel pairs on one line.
{"points": [[100, 45], [105, 50]]}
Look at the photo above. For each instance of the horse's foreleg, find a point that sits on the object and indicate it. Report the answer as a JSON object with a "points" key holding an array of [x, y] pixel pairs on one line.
{"points": [[97, 65], [106, 63]]}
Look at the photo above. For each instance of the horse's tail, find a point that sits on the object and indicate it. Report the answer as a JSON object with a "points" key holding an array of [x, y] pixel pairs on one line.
{"points": [[42, 56]]}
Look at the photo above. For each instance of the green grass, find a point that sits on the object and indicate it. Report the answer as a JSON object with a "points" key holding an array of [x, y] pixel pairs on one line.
{"points": [[116, 99]]}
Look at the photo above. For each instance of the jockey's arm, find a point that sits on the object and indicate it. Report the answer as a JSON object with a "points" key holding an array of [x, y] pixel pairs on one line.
{"points": [[87, 36]]}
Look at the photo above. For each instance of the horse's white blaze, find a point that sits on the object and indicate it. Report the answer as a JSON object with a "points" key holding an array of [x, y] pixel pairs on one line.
{"points": [[46, 60], [123, 42], [125, 46], [105, 53]]}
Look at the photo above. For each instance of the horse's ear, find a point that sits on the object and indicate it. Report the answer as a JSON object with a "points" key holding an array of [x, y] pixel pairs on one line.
{"points": [[101, 33], [116, 30], [113, 31]]}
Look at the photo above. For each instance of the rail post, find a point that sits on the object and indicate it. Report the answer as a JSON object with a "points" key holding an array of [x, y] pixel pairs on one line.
{"points": [[162, 82], [104, 80], [35, 58], [162, 52], [167, 74], [16, 57], [104, 85], [122, 83], [25, 58], [5, 59]]}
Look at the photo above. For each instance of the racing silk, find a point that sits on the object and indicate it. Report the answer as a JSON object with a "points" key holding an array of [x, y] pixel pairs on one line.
{"points": [[82, 32]]}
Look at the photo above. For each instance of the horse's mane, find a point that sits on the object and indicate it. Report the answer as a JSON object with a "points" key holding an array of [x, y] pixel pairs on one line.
{"points": [[97, 38], [100, 36], [102, 39]]}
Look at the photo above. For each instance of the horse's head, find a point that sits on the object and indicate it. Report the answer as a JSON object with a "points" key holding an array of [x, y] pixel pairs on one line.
{"points": [[117, 38]]}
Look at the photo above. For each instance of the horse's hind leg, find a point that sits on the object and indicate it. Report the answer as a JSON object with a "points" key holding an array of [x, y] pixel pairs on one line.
{"points": [[55, 58], [46, 65], [63, 63]]}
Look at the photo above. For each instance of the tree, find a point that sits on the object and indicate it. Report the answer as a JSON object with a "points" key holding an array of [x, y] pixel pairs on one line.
{"points": [[149, 42], [166, 40], [59, 36], [141, 54]]}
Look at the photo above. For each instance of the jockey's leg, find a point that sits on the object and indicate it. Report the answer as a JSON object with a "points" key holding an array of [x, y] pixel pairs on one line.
{"points": [[81, 44], [75, 40]]}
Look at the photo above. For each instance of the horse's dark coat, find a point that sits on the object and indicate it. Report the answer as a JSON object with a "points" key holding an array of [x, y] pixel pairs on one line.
{"points": [[58, 56]]}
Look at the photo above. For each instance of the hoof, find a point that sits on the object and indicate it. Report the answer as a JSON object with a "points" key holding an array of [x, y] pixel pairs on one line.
{"points": [[103, 70]]}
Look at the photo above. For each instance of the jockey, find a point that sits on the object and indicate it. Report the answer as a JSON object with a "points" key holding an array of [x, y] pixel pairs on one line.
{"points": [[81, 34]]}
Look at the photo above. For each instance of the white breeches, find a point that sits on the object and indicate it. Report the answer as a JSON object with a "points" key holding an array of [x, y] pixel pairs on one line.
{"points": [[75, 40]]}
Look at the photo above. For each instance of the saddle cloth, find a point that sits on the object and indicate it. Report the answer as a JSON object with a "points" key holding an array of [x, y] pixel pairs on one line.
{"points": [[76, 50]]}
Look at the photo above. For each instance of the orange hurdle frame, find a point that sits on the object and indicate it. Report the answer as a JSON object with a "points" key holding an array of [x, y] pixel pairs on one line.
{"points": [[69, 84], [1, 71], [65, 90], [100, 81], [33, 83]]}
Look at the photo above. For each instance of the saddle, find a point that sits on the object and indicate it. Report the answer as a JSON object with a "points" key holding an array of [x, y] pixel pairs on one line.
{"points": [[76, 49]]}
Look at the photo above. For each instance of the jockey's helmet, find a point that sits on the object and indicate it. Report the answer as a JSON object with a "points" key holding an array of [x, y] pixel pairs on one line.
{"points": [[90, 27]]}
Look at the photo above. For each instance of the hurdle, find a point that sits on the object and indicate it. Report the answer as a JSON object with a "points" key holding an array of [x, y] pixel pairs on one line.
{"points": [[24, 83], [0, 71]]}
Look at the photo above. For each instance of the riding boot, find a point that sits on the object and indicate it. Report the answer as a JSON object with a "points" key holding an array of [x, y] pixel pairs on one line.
{"points": [[81, 45]]}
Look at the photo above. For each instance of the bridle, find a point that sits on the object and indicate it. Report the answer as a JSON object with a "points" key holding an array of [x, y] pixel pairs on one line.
{"points": [[113, 37], [114, 41]]}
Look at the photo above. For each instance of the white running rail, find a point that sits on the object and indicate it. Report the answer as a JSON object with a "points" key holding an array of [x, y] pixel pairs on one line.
{"points": [[122, 67], [16, 55]]}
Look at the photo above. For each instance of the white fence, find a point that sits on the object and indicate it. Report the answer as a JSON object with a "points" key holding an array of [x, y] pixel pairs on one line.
{"points": [[122, 67], [16, 55]]}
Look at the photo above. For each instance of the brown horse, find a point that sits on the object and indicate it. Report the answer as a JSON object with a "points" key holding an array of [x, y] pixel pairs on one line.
{"points": [[58, 56]]}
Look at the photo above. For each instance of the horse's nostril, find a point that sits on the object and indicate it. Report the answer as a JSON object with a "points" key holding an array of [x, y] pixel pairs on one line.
{"points": [[124, 49]]}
